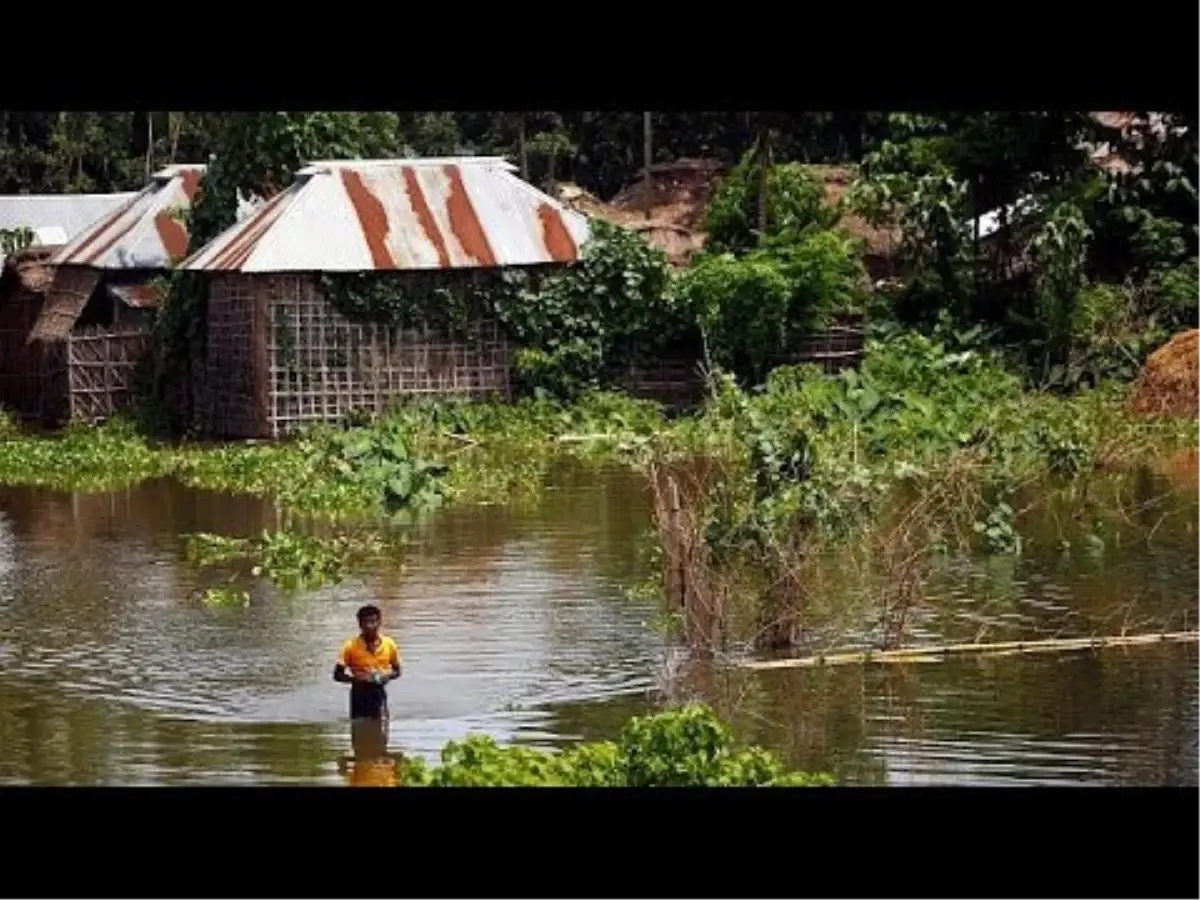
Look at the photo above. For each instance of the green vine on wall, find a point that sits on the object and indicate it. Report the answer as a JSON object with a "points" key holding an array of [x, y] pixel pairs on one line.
{"points": [[572, 324], [448, 303]]}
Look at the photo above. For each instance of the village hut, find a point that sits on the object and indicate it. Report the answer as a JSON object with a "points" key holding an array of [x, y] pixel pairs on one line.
{"points": [[88, 328], [34, 227], [280, 354]]}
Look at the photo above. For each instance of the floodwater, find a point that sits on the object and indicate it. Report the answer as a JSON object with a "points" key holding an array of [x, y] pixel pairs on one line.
{"points": [[516, 624]]}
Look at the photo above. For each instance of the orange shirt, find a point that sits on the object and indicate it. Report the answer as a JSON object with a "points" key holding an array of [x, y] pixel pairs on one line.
{"points": [[358, 658]]}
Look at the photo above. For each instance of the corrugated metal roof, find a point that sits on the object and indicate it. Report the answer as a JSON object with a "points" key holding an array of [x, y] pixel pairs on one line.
{"points": [[399, 214], [145, 233], [70, 212], [139, 295]]}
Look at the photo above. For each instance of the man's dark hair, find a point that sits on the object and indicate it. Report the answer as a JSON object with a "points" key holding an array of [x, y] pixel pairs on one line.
{"points": [[368, 611]]}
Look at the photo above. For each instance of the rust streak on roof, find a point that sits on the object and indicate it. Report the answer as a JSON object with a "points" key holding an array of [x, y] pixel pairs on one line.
{"points": [[190, 182], [138, 296], [105, 247], [555, 235], [172, 235], [253, 230], [371, 217], [242, 252], [95, 235], [425, 217], [464, 222]]}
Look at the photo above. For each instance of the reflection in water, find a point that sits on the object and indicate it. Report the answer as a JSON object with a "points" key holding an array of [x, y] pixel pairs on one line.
{"points": [[496, 612], [1116, 718], [371, 764], [513, 623]]}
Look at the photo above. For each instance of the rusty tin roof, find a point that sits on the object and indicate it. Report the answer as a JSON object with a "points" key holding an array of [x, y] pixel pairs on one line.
{"points": [[138, 295], [70, 212], [147, 232], [399, 214]]}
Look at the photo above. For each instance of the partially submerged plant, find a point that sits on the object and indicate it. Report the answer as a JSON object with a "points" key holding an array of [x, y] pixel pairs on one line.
{"points": [[687, 747], [293, 562]]}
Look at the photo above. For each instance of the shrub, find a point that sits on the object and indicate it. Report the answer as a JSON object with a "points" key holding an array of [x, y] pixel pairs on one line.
{"points": [[688, 747], [753, 309], [608, 308], [795, 205]]}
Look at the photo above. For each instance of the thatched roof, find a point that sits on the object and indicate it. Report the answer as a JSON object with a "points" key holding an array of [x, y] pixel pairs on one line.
{"points": [[1169, 384], [27, 270], [65, 300], [837, 181], [67, 290], [680, 191]]}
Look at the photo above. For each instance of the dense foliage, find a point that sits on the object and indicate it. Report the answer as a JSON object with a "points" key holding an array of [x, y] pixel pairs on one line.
{"points": [[922, 452], [611, 309], [795, 203], [688, 747], [601, 150], [574, 326], [1065, 237], [755, 292]]}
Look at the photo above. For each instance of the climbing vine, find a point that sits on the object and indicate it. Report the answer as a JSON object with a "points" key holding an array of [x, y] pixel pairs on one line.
{"points": [[257, 155], [179, 333], [572, 324], [446, 302], [611, 308]]}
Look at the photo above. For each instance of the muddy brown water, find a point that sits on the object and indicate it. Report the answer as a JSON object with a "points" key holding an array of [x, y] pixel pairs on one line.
{"points": [[515, 623]]}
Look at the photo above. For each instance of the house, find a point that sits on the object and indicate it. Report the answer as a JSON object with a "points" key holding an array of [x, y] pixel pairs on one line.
{"points": [[280, 355], [84, 313], [33, 227]]}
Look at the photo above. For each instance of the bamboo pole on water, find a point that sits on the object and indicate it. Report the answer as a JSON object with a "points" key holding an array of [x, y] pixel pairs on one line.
{"points": [[1006, 648]]}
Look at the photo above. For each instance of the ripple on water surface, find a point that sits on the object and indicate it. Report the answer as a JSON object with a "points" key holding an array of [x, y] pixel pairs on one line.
{"points": [[495, 615], [514, 624]]}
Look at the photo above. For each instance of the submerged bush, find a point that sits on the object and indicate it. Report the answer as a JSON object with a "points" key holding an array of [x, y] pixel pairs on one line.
{"points": [[109, 457], [888, 469], [689, 747], [292, 561], [396, 466]]}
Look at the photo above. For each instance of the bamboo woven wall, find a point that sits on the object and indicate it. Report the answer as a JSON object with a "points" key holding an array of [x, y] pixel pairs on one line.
{"points": [[679, 380], [226, 398], [21, 382], [322, 365], [673, 380], [101, 370], [841, 346], [280, 357]]}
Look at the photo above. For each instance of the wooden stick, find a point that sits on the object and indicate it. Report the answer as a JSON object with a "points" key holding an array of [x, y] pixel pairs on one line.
{"points": [[462, 438], [586, 438], [1006, 648]]}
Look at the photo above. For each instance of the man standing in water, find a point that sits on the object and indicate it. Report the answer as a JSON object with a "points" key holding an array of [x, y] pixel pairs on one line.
{"points": [[367, 663]]}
